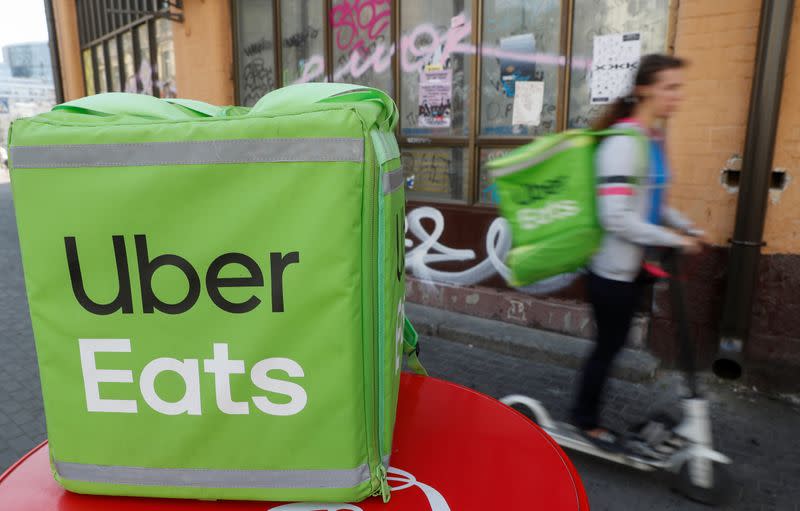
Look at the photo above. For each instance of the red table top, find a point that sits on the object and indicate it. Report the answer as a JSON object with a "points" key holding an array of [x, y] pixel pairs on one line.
{"points": [[454, 449]]}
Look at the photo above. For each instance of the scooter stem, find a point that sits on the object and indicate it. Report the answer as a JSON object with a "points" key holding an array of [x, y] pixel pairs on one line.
{"points": [[673, 262]]}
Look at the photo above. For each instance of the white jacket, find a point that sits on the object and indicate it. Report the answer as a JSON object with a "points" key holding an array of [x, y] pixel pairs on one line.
{"points": [[623, 203]]}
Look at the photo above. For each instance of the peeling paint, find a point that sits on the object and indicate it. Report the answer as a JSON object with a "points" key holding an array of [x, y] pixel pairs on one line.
{"points": [[472, 299], [732, 167], [516, 311]]}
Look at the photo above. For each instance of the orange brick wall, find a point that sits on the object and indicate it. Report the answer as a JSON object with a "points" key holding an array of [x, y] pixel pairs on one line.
{"points": [[719, 39], [204, 52], [782, 230]]}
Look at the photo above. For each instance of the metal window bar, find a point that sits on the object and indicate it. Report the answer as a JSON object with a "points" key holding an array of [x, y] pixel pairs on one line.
{"points": [[151, 33], [276, 42], [103, 20], [137, 58], [107, 61], [120, 62]]}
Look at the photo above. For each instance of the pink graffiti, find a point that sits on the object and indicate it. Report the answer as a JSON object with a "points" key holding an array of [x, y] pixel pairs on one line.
{"points": [[350, 19], [424, 45], [379, 61], [414, 57]]}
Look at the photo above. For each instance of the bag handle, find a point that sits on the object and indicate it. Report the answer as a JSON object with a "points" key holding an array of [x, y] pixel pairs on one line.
{"points": [[411, 348], [139, 105], [297, 96]]}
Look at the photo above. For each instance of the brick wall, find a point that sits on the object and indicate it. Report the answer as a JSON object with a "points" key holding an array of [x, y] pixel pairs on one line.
{"points": [[204, 52], [782, 229], [719, 39]]}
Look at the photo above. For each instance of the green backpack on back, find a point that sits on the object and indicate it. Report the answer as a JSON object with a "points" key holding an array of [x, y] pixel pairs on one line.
{"points": [[547, 193], [216, 294]]}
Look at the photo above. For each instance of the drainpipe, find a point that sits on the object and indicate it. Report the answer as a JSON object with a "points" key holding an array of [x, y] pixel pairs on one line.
{"points": [[751, 208]]}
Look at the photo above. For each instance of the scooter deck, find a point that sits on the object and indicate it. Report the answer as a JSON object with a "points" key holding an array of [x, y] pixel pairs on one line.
{"points": [[566, 435]]}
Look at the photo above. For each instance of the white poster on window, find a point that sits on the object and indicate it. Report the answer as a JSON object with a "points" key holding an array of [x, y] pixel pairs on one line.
{"points": [[435, 95], [615, 60], [528, 99]]}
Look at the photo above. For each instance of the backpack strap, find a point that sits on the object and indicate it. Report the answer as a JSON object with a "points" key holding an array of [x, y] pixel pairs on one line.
{"points": [[630, 132], [411, 348]]}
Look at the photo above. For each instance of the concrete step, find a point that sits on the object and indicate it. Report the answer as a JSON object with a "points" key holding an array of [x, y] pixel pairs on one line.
{"points": [[537, 345]]}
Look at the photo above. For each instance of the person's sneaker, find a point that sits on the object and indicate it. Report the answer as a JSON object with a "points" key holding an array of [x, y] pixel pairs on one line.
{"points": [[602, 438]]}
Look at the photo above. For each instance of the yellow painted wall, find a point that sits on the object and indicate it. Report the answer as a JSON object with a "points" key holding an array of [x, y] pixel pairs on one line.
{"points": [[782, 229], [69, 48], [719, 39], [204, 52]]}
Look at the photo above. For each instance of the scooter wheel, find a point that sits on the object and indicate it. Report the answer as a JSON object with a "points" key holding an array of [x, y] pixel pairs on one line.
{"points": [[720, 493]]}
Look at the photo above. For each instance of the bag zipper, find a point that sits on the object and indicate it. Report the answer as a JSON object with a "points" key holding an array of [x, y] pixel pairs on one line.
{"points": [[380, 471]]}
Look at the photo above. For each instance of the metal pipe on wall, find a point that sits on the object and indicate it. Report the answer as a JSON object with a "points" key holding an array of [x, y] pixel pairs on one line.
{"points": [[751, 208]]}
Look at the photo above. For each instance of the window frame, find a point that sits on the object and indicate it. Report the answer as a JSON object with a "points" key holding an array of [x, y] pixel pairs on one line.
{"points": [[474, 142], [103, 22]]}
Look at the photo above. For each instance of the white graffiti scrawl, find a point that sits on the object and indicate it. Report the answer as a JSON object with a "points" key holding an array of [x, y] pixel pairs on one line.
{"points": [[431, 251]]}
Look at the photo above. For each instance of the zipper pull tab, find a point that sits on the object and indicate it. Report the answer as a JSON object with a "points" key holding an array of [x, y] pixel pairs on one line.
{"points": [[386, 490]]}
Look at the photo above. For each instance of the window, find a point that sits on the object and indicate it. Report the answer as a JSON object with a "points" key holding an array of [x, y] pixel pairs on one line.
{"points": [[435, 81], [100, 66], [486, 188], [166, 59], [145, 72], [526, 28], [113, 64], [88, 71], [472, 78], [361, 38], [302, 40], [255, 50], [435, 172], [129, 70], [127, 46], [601, 17]]}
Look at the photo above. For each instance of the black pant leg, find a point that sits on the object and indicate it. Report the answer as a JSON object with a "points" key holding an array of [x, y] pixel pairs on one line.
{"points": [[613, 303]]}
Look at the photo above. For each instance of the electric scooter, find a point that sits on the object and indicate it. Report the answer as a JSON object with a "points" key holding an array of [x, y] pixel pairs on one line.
{"points": [[683, 448]]}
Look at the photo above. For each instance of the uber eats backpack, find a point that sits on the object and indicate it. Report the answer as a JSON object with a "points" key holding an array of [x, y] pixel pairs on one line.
{"points": [[216, 294], [547, 192]]}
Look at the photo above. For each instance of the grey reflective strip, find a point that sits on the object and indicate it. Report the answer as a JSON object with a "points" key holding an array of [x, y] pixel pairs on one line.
{"points": [[202, 478], [563, 146], [392, 181], [386, 459], [189, 153]]}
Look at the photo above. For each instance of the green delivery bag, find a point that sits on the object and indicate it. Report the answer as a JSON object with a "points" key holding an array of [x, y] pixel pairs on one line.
{"points": [[216, 293], [547, 194]]}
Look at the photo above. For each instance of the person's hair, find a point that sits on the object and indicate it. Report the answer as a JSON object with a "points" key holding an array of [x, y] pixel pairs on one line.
{"points": [[647, 74]]}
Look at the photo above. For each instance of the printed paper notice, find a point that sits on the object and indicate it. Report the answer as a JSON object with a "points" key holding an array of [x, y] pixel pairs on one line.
{"points": [[615, 61], [528, 98], [435, 94]]}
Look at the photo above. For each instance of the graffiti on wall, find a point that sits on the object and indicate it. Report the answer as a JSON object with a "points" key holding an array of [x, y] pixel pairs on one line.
{"points": [[359, 23], [428, 251], [431, 170], [360, 27]]}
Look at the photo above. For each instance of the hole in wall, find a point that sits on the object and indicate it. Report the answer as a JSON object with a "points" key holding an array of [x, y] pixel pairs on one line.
{"points": [[730, 179], [778, 180]]}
